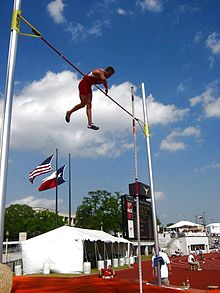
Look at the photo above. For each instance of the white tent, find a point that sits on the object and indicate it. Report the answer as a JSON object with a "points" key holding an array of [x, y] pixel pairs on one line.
{"points": [[183, 224], [63, 248], [213, 228]]}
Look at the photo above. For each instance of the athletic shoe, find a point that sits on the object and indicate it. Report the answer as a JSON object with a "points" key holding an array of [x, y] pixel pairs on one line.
{"points": [[93, 126], [67, 117], [199, 269]]}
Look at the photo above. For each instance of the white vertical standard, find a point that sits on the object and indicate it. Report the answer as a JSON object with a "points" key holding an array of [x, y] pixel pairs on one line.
{"points": [[137, 192], [9, 87], [154, 215]]}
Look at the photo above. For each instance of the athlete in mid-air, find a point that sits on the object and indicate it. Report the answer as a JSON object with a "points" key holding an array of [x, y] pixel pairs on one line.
{"points": [[97, 76]]}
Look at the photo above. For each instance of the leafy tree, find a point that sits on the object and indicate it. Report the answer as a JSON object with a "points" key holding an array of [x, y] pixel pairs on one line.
{"points": [[100, 209], [22, 218], [158, 222]]}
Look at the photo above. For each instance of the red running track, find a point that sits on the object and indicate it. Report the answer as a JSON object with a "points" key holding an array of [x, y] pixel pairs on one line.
{"points": [[210, 274], [126, 280]]}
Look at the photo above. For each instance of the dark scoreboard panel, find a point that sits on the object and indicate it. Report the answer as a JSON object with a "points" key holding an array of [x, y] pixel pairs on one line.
{"points": [[143, 189], [129, 214]]}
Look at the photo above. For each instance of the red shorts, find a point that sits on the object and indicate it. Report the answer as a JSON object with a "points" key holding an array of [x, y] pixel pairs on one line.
{"points": [[85, 88]]}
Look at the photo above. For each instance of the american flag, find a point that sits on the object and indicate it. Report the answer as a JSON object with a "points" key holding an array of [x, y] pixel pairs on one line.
{"points": [[41, 169]]}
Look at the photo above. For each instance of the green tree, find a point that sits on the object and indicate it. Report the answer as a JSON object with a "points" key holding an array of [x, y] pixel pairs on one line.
{"points": [[22, 218], [17, 219], [158, 222], [100, 209]]}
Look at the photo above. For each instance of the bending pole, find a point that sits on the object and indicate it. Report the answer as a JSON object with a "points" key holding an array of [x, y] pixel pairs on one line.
{"points": [[136, 192], [9, 86], [154, 215]]}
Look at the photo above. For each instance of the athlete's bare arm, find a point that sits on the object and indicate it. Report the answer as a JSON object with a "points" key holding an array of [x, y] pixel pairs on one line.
{"points": [[100, 74]]}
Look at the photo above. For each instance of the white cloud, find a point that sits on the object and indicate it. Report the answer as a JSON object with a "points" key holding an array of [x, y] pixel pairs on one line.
{"points": [[205, 97], [213, 43], [172, 142], [38, 118], [213, 109], [159, 195], [121, 11], [163, 114], [151, 5], [55, 9], [208, 167], [191, 131], [124, 12], [182, 86], [172, 146], [210, 103], [37, 202], [80, 32]]}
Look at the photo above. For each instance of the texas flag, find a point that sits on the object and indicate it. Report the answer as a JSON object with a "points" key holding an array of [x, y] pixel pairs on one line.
{"points": [[55, 179]]}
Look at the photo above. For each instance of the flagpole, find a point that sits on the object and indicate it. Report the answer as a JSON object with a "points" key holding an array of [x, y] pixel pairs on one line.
{"points": [[9, 87], [154, 216], [56, 204], [69, 222]]}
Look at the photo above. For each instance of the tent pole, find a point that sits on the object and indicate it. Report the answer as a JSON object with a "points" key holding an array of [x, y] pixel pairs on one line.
{"points": [[96, 258]]}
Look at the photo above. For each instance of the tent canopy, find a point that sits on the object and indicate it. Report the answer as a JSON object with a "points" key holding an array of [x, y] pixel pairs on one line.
{"points": [[183, 224], [63, 248]]}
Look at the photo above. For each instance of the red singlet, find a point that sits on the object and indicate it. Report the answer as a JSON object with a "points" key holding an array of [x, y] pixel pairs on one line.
{"points": [[85, 85]]}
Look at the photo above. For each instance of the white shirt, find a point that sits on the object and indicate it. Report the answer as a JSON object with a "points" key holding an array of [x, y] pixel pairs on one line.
{"points": [[164, 268], [191, 258]]}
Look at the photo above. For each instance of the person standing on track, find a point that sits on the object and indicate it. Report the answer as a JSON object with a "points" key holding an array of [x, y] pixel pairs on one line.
{"points": [[97, 76], [165, 268]]}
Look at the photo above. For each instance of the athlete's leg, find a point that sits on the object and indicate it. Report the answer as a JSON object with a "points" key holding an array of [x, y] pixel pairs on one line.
{"points": [[89, 109], [89, 113], [82, 104]]}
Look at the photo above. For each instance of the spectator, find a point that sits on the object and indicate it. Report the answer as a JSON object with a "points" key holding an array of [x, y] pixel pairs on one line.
{"points": [[193, 263], [165, 268], [107, 273]]}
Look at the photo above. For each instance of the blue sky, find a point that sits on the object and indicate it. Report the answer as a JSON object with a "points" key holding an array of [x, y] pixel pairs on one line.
{"points": [[171, 46]]}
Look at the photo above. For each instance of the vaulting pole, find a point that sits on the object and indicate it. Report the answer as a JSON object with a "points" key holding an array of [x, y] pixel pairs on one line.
{"points": [[154, 215], [137, 192], [9, 87]]}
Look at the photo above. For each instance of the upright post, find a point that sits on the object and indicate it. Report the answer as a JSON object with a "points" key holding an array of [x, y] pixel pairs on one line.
{"points": [[136, 191], [69, 222], [9, 87], [154, 215], [56, 201]]}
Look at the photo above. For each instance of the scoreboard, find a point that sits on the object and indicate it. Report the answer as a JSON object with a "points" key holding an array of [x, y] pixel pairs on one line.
{"points": [[129, 215]]}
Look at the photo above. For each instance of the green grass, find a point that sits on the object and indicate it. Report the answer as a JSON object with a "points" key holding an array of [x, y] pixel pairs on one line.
{"points": [[93, 271]]}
